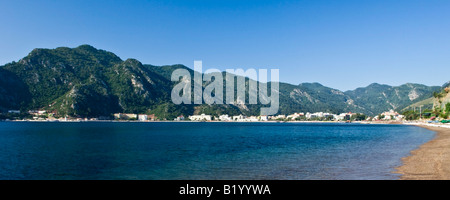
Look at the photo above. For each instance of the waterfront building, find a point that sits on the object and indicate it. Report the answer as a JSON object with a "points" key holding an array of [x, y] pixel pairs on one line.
{"points": [[239, 118], [264, 118], [224, 118], [125, 116], [281, 117], [142, 117], [252, 119], [201, 117], [294, 116], [391, 115], [179, 118]]}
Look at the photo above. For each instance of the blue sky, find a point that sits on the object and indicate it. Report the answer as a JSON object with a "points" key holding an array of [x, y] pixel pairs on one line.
{"points": [[339, 43]]}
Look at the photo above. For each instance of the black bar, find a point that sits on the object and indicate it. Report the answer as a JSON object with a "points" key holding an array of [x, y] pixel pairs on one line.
{"points": [[223, 189]]}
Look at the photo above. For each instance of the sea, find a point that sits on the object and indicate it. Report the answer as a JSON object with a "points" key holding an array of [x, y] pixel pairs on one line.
{"points": [[204, 150]]}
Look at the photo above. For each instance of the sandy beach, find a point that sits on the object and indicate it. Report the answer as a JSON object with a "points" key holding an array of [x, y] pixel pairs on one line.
{"points": [[431, 161]]}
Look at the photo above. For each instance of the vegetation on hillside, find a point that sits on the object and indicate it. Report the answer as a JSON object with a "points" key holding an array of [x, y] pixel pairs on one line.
{"points": [[89, 82], [440, 109]]}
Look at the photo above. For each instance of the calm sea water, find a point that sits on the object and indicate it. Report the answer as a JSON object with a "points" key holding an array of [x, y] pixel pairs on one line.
{"points": [[184, 150]]}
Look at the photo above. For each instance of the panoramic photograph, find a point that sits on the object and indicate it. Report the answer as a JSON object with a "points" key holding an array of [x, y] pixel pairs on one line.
{"points": [[225, 90]]}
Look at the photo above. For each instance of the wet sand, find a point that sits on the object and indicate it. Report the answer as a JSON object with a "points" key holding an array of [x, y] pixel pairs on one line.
{"points": [[431, 161]]}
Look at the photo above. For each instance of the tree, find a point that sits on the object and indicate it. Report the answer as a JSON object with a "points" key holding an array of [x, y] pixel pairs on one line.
{"points": [[411, 115], [437, 111], [300, 118], [446, 113], [435, 95], [438, 96], [329, 118], [447, 90], [358, 117]]}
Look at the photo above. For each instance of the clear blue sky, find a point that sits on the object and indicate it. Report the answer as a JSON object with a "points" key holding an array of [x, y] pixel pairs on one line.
{"points": [[341, 44]]}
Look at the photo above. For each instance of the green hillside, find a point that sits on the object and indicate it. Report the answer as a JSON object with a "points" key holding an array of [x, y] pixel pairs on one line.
{"points": [[89, 82]]}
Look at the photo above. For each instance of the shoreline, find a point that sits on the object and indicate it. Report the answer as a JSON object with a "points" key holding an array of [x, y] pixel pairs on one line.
{"points": [[213, 121], [431, 161]]}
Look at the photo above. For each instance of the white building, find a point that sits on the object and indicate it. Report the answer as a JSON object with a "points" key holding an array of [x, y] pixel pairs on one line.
{"points": [[239, 118], [338, 117], [252, 119], [345, 116], [391, 115], [125, 116], [201, 117], [308, 115], [179, 118], [319, 114], [224, 118], [142, 117], [263, 118], [295, 116], [37, 112], [312, 115], [280, 117]]}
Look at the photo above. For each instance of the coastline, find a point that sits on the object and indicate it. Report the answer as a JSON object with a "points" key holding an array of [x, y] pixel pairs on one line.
{"points": [[431, 161]]}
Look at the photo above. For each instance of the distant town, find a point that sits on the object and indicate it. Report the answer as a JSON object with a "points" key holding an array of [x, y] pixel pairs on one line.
{"points": [[42, 115]]}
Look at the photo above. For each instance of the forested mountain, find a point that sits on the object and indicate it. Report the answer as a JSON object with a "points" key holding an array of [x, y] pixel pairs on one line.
{"points": [[88, 82], [377, 98], [439, 100]]}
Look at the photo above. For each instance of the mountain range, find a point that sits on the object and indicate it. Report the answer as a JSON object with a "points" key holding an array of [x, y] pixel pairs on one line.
{"points": [[89, 82]]}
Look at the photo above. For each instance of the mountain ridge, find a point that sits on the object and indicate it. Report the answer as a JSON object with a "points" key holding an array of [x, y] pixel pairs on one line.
{"points": [[85, 81]]}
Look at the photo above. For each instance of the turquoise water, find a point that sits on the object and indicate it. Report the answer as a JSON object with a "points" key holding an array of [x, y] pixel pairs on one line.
{"points": [[186, 150]]}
